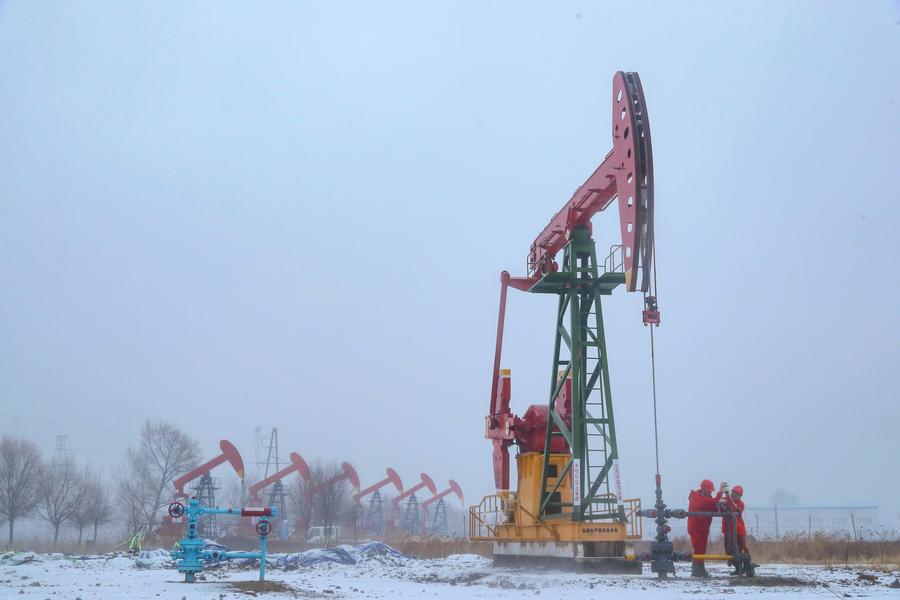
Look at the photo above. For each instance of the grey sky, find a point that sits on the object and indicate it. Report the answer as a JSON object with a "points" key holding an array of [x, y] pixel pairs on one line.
{"points": [[231, 215]]}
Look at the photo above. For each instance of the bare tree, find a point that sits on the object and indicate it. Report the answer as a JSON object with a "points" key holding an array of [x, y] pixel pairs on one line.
{"points": [[62, 491], [235, 493], [332, 495], [85, 513], [101, 506], [164, 453], [81, 517], [301, 498], [134, 497], [20, 473]]}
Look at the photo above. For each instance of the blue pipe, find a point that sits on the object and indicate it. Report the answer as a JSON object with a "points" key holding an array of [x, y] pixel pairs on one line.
{"points": [[191, 556]]}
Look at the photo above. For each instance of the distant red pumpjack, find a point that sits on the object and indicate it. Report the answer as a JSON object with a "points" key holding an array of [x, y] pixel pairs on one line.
{"points": [[229, 454]]}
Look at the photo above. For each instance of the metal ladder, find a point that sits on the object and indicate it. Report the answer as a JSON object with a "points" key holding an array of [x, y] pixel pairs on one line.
{"points": [[599, 449]]}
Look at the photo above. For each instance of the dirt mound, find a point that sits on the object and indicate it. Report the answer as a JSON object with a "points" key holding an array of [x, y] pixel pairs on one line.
{"points": [[253, 588]]}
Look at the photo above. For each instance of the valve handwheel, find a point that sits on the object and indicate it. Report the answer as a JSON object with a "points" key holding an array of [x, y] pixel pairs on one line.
{"points": [[263, 528], [176, 509]]}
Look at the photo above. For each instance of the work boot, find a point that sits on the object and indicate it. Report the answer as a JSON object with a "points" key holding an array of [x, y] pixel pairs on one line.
{"points": [[703, 572], [698, 569]]}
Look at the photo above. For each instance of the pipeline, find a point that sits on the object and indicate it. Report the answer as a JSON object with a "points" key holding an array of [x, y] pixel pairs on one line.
{"points": [[190, 556]]}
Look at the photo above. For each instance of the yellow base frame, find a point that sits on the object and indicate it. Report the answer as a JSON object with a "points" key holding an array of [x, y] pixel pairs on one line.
{"points": [[512, 516]]}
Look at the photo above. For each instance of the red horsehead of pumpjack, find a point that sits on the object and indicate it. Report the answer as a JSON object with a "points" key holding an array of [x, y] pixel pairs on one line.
{"points": [[296, 465], [453, 489], [348, 473], [392, 477], [425, 482], [229, 454]]}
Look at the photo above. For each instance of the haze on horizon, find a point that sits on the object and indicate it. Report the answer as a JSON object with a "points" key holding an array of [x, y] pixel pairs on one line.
{"points": [[296, 216]]}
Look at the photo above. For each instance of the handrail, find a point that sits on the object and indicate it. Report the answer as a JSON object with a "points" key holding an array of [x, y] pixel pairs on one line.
{"points": [[633, 517], [615, 260], [486, 517]]}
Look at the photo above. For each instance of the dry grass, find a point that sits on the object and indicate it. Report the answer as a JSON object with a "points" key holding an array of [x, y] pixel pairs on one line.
{"points": [[822, 549], [65, 546], [819, 549], [434, 547]]}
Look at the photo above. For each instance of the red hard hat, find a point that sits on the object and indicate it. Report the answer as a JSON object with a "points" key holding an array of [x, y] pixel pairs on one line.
{"points": [[707, 486], [737, 490]]}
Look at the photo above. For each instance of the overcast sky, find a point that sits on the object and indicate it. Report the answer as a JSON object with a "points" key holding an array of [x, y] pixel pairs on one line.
{"points": [[234, 215]]}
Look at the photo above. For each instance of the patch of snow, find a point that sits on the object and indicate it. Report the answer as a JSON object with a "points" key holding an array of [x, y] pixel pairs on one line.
{"points": [[120, 562], [372, 576], [16, 558], [149, 559]]}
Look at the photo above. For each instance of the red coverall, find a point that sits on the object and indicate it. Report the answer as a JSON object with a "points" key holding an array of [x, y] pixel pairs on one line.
{"points": [[698, 527], [741, 528]]}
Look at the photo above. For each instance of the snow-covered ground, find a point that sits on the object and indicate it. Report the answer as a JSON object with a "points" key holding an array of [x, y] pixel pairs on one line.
{"points": [[459, 576]]}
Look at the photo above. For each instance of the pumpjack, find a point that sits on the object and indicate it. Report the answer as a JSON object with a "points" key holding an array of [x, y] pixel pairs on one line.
{"points": [[568, 502], [276, 492], [438, 520], [374, 518], [411, 522]]}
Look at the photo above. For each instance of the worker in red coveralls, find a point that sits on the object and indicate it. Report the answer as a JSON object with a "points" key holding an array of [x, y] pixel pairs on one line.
{"points": [[701, 500], [734, 502]]}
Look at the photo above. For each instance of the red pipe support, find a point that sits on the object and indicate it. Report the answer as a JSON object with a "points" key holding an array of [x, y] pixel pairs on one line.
{"points": [[256, 512]]}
